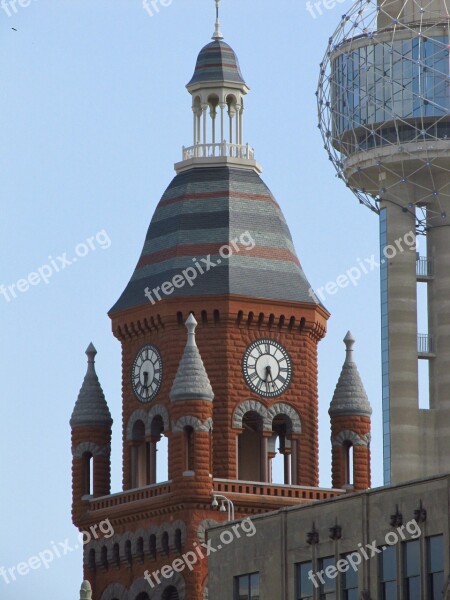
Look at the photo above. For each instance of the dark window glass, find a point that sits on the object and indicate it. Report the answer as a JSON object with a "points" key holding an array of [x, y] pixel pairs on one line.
{"points": [[328, 588], [304, 583], [350, 582], [435, 566], [388, 573], [247, 587], [411, 570]]}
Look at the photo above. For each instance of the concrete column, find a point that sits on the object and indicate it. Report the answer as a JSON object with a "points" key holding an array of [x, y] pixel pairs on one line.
{"points": [[402, 323], [222, 121], [264, 460]]}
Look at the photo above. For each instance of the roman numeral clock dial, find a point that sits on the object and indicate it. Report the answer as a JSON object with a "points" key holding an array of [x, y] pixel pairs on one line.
{"points": [[146, 374], [267, 368]]}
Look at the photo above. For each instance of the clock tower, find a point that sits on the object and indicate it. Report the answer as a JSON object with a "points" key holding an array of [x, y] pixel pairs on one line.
{"points": [[219, 335]]}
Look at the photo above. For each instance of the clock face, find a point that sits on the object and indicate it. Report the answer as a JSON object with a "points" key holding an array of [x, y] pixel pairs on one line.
{"points": [[146, 374], [267, 368]]}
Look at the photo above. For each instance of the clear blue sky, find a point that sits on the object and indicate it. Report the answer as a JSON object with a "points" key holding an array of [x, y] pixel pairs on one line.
{"points": [[93, 114]]}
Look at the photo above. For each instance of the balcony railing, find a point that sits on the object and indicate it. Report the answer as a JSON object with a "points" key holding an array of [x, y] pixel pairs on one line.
{"points": [[424, 267], [150, 491], [218, 150], [274, 491], [424, 344]]}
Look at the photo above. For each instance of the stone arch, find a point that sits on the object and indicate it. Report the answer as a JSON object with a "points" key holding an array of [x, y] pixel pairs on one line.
{"points": [[352, 437], [245, 407], [115, 591], [189, 421], [281, 408], [181, 525], [91, 448], [124, 538], [203, 526], [159, 411], [137, 415], [140, 586], [177, 581]]}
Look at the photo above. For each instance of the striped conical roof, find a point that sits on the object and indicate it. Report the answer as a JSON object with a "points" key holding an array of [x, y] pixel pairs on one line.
{"points": [[217, 63], [201, 212]]}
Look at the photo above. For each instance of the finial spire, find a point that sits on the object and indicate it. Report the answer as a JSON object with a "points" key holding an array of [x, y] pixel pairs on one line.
{"points": [[349, 342], [217, 33]]}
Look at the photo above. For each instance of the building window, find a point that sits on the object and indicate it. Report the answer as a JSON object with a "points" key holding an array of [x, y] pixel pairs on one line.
{"points": [[388, 573], [411, 570], [247, 587], [327, 590], [304, 583], [435, 567], [350, 582]]}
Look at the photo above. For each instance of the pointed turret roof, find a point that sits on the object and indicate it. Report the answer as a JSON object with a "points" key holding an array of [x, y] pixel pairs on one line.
{"points": [[91, 407], [191, 381], [350, 397]]}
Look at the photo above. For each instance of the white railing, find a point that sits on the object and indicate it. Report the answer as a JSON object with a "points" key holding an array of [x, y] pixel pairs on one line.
{"points": [[218, 150]]}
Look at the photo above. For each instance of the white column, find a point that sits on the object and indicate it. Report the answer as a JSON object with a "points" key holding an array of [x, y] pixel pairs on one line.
{"points": [[241, 125], [222, 122], [238, 112], [204, 109]]}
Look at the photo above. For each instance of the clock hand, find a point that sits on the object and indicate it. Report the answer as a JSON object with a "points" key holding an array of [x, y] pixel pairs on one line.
{"points": [[145, 378]]}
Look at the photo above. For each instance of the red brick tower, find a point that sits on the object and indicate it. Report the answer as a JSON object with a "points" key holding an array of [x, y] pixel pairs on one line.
{"points": [[350, 427], [218, 252]]}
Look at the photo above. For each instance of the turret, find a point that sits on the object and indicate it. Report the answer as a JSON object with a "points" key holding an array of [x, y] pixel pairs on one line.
{"points": [[91, 424], [192, 410], [350, 413]]}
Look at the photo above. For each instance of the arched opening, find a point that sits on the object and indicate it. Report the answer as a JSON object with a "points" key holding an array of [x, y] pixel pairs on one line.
{"points": [[189, 448], [140, 549], [116, 555], [280, 451], [143, 596], [104, 557], [139, 465], [148, 454], [128, 552], [251, 448], [165, 543], [233, 120], [152, 545], [88, 474], [91, 559], [158, 451], [348, 462], [178, 541], [170, 593]]}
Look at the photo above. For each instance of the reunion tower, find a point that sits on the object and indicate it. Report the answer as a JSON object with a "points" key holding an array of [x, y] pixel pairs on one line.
{"points": [[384, 112]]}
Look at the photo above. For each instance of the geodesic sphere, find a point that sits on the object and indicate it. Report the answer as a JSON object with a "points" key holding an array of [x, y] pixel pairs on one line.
{"points": [[384, 104]]}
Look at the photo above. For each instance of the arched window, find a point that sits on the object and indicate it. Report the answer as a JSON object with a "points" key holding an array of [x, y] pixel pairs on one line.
{"points": [[165, 543], [104, 557], [91, 559], [250, 449], [280, 451], [189, 448], [128, 552], [170, 593], [139, 462], [178, 540], [88, 474], [348, 462], [152, 545], [140, 548], [143, 596], [116, 555]]}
